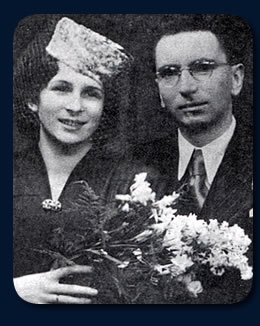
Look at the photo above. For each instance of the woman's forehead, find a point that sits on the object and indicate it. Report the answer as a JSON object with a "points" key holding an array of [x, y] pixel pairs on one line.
{"points": [[66, 73]]}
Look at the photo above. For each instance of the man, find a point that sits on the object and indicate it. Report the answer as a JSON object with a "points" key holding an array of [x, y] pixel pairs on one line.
{"points": [[209, 162]]}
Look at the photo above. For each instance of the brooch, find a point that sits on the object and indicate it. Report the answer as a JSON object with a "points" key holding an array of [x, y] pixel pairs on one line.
{"points": [[51, 205]]}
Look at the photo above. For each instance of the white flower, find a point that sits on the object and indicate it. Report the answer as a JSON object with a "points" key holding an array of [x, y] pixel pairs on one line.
{"points": [[162, 269], [174, 269], [142, 195], [172, 238], [219, 271], [124, 264], [140, 178], [141, 191], [183, 261], [143, 235], [195, 287], [166, 201], [247, 273], [125, 208], [137, 252], [189, 242], [123, 197]]}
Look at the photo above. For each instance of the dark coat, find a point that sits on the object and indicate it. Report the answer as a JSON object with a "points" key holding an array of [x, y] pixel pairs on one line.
{"points": [[105, 175], [229, 199], [230, 195]]}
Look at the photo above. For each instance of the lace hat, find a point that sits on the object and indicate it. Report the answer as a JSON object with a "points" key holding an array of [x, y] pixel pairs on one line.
{"points": [[86, 51], [78, 47]]}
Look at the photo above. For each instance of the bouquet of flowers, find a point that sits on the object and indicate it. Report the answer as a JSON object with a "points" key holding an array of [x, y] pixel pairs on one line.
{"points": [[143, 251]]}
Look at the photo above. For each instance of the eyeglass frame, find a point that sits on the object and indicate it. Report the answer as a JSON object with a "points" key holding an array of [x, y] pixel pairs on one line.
{"points": [[214, 65]]}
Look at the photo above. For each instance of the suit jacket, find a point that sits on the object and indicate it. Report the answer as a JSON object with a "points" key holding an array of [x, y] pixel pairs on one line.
{"points": [[230, 195], [229, 199]]}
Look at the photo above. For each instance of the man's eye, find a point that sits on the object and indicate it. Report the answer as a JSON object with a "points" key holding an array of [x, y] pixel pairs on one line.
{"points": [[202, 67], [169, 72]]}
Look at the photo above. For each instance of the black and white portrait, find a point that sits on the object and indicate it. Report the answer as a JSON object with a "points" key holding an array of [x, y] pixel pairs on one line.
{"points": [[133, 159]]}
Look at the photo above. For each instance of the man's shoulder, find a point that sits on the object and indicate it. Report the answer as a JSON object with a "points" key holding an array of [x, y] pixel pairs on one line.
{"points": [[241, 146], [160, 147]]}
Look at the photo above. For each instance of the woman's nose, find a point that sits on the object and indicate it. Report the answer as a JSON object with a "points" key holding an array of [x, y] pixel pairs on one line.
{"points": [[74, 103], [187, 84]]}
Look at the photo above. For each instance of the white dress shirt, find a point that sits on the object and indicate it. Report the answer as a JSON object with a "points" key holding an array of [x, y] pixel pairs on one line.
{"points": [[213, 153]]}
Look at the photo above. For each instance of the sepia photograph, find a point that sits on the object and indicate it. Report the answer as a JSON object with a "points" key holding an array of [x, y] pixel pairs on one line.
{"points": [[133, 159]]}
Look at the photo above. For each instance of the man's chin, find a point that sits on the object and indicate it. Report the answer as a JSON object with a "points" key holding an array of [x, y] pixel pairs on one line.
{"points": [[195, 126]]}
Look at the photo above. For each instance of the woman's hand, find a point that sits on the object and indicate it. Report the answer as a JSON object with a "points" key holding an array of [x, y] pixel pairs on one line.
{"points": [[45, 288]]}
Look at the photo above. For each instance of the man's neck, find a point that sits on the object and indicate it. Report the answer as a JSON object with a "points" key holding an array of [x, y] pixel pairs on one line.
{"points": [[205, 135]]}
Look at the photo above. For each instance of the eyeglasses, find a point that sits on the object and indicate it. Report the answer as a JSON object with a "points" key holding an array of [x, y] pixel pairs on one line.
{"points": [[200, 70]]}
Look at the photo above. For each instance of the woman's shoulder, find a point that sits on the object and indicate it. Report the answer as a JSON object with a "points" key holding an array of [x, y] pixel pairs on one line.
{"points": [[26, 161]]}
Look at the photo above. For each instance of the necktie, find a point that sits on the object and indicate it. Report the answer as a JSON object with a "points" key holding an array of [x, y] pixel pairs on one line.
{"points": [[198, 176], [194, 191]]}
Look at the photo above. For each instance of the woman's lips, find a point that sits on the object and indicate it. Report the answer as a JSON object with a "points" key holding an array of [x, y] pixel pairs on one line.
{"points": [[72, 123]]}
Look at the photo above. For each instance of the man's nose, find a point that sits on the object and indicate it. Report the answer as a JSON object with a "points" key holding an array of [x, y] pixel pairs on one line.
{"points": [[187, 84], [74, 103]]}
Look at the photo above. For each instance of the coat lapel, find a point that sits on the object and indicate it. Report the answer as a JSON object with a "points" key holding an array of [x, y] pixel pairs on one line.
{"points": [[230, 195]]}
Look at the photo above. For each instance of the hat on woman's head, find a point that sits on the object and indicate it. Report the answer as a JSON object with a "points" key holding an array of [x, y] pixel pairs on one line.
{"points": [[80, 48], [86, 51]]}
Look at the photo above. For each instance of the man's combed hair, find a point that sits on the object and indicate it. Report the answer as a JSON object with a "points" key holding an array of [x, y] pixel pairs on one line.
{"points": [[233, 33]]}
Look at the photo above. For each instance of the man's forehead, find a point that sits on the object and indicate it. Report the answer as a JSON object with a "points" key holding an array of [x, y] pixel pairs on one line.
{"points": [[185, 47]]}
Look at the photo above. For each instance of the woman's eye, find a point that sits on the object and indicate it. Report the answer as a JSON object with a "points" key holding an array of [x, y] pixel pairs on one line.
{"points": [[91, 92], [61, 88]]}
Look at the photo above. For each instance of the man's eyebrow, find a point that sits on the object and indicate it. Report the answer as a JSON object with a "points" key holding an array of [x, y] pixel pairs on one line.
{"points": [[169, 65], [192, 62], [202, 59]]}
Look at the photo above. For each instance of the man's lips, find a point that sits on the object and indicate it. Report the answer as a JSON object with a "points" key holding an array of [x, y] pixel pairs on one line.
{"points": [[72, 123], [192, 106]]}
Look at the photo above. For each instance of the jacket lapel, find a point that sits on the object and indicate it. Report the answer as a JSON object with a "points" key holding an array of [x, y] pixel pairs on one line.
{"points": [[230, 195]]}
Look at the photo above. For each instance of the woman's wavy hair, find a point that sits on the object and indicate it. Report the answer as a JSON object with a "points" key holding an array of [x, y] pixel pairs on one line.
{"points": [[35, 68]]}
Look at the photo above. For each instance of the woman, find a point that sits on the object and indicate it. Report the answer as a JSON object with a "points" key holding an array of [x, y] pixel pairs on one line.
{"points": [[64, 90]]}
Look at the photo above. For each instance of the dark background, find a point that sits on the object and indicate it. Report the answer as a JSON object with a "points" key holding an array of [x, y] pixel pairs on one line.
{"points": [[15, 311], [137, 34]]}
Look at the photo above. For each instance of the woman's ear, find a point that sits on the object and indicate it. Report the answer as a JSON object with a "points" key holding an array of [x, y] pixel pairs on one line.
{"points": [[32, 106], [238, 73]]}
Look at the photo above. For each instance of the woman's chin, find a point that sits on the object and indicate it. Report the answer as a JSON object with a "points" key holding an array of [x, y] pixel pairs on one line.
{"points": [[72, 141]]}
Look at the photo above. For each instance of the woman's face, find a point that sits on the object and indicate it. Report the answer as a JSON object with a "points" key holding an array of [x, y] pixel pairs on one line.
{"points": [[70, 106]]}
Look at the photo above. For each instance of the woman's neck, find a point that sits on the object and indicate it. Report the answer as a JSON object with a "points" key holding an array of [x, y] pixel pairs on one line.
{"points": [[63, 155], [60, 160]]}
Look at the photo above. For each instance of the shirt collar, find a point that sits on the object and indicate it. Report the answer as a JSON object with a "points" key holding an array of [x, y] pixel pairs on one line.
{"points": [[212, 153]]}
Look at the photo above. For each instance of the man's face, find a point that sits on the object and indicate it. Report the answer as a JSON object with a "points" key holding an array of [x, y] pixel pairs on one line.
{"points": [[204, 103]]}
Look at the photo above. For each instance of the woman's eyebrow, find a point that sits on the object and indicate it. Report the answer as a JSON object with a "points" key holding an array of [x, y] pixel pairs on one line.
{"points": [[60, 82], [94, 88]]}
